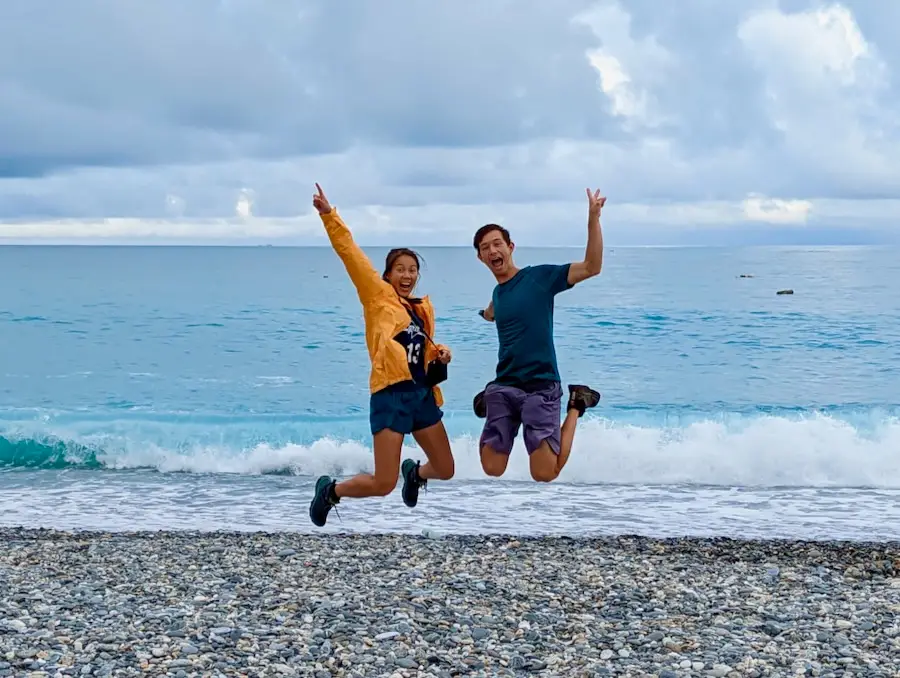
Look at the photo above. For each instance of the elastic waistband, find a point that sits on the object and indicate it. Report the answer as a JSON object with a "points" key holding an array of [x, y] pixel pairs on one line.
{"points": [[530, 386], [404, 387]]}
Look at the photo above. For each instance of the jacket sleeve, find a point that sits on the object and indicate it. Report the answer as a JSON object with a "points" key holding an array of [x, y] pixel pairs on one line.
{"points": [[365, 278]]}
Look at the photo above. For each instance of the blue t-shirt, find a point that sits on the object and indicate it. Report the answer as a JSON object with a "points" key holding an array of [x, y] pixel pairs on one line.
{"points": [[523, 313], [413, 340]]}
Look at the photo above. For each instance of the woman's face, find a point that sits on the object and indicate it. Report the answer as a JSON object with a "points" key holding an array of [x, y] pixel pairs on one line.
{"points": [[404, 275]]}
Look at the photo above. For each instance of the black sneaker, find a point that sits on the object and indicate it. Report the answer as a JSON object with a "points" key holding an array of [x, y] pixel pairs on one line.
{"points": [[411, 482], [582, 398], [479, 406], [323, 500]]}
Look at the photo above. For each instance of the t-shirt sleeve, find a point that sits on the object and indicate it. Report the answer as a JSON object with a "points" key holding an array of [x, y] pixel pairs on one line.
{"points": [[554, 277]]}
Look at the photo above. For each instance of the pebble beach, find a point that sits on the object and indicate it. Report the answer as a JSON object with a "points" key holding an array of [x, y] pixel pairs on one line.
{"points": [[259, 604]]}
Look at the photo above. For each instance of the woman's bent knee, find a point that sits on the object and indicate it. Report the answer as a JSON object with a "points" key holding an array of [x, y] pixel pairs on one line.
{"points": [[445, 471], [383, 488]]}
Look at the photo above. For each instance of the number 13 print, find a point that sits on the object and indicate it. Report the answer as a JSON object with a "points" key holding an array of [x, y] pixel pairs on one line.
{"points": [[412, 353]]}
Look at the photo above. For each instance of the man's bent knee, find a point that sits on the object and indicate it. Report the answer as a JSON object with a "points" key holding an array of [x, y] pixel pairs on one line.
{"points": [[542, 474], [493, 467], [544, 463], [492, 462]]}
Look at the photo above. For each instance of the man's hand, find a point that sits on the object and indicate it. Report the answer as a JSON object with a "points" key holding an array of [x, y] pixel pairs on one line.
{"points": [[580, 271], [320, 202], [595, 202], [488, 313], [444, 355]]}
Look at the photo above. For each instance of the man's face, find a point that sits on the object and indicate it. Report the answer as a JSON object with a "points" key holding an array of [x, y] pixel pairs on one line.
{"points": [[496, 254]]}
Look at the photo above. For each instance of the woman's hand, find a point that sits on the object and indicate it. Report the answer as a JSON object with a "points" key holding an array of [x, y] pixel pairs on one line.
{"points": [[444, 355], [320, 202]]}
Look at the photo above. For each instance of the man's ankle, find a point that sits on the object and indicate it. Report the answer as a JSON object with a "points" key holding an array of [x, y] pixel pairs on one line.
{"points": [[577, 407]]}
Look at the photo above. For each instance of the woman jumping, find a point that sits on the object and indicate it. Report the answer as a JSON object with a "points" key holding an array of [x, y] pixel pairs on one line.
{"points": [[406, 367]]}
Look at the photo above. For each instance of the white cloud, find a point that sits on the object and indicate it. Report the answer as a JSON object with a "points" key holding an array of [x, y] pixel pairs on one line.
{"points": [[694, 118], [175, 206], [553, 223], [244, 205], [822, 45], [627, 68], [194, 230], [824, 84], [776, 211]]}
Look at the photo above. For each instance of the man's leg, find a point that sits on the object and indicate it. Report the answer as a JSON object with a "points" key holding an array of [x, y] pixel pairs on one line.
{"points": [[549, 444], [502, 420], [493, 462]]}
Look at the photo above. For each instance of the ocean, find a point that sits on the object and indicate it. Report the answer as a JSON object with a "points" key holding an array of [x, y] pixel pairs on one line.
{"points": [[205, 388]]}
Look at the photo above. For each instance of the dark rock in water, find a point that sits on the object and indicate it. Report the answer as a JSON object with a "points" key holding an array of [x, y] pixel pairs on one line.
{"points": [[785, 292]]}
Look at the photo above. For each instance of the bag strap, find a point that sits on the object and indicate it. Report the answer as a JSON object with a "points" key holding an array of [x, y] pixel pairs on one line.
{"points": [[420, 322]]}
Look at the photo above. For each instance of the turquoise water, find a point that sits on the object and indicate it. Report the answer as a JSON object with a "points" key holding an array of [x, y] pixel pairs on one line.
{"points": [[206, 387]]}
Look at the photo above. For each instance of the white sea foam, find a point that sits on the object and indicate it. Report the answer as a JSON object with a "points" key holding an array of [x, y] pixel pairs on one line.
{"points": [[816, 451]]}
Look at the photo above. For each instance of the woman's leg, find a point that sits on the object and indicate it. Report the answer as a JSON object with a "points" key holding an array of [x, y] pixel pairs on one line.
{"points": [[388, 445], [436, 446], [328, 493]]}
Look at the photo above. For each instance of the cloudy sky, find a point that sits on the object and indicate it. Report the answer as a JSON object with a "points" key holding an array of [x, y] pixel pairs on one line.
{"points": [[703, 121]]}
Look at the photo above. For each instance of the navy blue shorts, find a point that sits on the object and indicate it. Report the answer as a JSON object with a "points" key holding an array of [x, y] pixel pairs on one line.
{"points": [[403, 408]]}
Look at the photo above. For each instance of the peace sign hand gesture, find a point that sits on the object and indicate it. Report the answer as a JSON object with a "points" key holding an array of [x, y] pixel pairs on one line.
{"points": [[595, 202], [320, 202]]}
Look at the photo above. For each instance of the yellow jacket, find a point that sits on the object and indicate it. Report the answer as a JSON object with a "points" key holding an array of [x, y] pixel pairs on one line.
{"points": [[384, 310]]}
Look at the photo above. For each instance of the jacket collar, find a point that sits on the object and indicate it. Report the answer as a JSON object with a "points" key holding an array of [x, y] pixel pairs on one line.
{"points": [[414, 301]]}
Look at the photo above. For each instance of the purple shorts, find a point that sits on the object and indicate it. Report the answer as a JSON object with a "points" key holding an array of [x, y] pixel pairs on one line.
{"points": [[509, 407]]}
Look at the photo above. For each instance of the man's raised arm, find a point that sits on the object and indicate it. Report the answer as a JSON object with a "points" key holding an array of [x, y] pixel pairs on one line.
{"points": [[593, 253]]}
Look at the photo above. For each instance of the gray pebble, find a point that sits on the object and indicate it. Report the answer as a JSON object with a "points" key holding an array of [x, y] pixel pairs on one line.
{"points": [[189, 605], [387, 635]]}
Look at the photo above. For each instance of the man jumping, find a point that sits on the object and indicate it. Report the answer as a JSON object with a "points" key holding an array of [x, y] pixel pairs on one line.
{"points": [[527, 390]]}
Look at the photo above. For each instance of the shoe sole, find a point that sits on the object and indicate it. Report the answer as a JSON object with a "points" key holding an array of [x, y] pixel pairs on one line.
{"points": [[407, 482], [325, 484], [313, 520]]}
